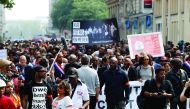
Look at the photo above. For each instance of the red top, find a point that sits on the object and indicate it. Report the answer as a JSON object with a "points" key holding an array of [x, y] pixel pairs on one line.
{"points": [[6, 103]]}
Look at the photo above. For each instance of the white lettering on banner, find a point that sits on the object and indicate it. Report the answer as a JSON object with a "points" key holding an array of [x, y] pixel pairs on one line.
{"points": [[80, 39], [39, 97], [76, 24], [78, 32]]}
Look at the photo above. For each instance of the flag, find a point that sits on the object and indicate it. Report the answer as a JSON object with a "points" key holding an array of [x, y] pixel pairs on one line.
{"points": [[127, 24], [135, 24], [148, 21]]}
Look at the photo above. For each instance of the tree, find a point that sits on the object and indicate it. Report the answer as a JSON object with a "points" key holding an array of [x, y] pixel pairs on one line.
{"points": [[89, 9], [7, 3], [65, 11], [61, 13]]}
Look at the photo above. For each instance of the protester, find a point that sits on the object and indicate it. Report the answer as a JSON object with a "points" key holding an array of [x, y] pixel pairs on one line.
{"points": [[4, 69], [186, 92], [37, 93], [80, 96], [177, 77], [103, 67], [130, 70], [90, 77], [116, 86], [58, 69], [63, 100], [145, 70], [5, 102], [72, 62], [157, 91], [9, 92], [167, 67]]}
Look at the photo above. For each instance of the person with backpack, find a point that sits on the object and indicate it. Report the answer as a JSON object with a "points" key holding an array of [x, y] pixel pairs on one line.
{"points": [[178, 78], [156, 92]]}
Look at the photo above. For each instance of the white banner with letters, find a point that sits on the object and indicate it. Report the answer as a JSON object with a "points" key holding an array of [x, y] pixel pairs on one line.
{"points": [[136, 87]]}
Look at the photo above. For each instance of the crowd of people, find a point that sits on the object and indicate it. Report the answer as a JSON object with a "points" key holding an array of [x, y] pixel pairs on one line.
{"points": [[52, 75]]}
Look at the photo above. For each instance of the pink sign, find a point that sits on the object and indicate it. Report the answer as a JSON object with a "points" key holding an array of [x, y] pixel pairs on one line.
{"points": [[150, 43]]}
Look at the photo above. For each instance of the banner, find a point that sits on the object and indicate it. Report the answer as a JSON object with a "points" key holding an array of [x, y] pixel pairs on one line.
{"points": [[136, 24], [148, 21], [95, 31], [150, 43], [135, 87], [3, 54], [127, 24]]}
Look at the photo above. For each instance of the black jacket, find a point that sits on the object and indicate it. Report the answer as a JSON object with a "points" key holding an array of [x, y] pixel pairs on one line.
{"points": [[132, 73]]}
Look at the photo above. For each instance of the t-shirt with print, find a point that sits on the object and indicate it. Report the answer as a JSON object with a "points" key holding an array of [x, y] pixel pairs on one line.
{"points": [[37, 93]]}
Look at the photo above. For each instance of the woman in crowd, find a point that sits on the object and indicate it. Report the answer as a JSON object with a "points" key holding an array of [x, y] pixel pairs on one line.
{"points": [[145, 70], [63, 100], [14, 97]]}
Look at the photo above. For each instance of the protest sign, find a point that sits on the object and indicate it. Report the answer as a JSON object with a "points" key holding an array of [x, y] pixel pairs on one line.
{"points": [[150, 43], [95, 31]]}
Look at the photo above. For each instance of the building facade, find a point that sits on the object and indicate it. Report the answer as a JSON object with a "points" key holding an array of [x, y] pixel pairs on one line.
{"points": [[132, 16], [172, 18]]}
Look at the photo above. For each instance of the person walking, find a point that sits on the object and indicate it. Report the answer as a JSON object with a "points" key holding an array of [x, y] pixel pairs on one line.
{"points": [[116, 86], [157, 91], [38, 93], [89, 76], [177, 77], [80, 96]]}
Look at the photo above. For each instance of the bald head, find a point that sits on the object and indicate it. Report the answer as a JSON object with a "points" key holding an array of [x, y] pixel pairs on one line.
{"points": [[113, 63], [127, 62], [22, 60]]}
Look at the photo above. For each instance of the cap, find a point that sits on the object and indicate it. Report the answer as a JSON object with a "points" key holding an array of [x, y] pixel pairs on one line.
{"points": [[2, 83], [4, 62], [72, 72]]}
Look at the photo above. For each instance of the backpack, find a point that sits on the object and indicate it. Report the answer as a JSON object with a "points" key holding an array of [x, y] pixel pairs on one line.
{"points": [[141, 99]]}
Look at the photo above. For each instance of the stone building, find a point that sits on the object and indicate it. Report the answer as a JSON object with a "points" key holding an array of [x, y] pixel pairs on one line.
{"points": [[172, 18]]}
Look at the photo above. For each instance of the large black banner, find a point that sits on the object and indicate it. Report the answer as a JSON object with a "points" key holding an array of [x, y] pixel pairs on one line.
{"points": [[95, 31]]}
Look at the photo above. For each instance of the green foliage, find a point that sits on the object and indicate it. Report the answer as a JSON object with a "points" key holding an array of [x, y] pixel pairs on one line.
{"points": [[61, 13], [7, 3], [65, 11], [89, 9]]}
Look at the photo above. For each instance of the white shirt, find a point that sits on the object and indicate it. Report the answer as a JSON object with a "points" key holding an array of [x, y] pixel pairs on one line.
{"points": [[65, 103], [90, 77], [80, 95]]}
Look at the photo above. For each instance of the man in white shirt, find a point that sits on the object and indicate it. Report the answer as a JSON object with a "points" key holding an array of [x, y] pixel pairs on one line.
{"points": [[79, 96]]}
